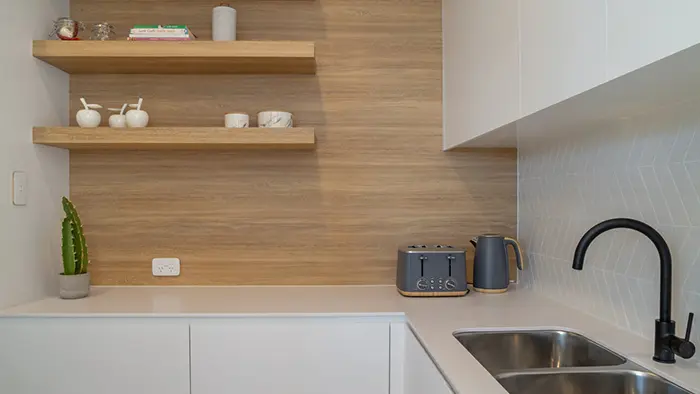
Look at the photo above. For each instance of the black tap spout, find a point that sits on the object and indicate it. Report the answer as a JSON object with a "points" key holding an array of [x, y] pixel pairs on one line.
{"points": [[666, 343], [656, 239]]}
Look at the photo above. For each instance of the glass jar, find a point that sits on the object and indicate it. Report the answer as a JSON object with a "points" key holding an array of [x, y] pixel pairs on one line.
{"points": [[102, 31], [66, 29]]}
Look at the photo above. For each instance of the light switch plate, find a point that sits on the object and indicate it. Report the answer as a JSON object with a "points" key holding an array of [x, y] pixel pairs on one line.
{"points": [[166, 266], [19, 188]]}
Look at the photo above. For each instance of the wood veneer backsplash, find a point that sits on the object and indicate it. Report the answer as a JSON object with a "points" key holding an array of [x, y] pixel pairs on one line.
{"points": [[334, 216]]}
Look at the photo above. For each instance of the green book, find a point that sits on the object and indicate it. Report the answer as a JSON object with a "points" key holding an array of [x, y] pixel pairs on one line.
{"points": [[160, 27]]}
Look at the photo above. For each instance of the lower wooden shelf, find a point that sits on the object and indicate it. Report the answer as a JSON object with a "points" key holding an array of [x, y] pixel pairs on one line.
{"points": [[175, 138]]}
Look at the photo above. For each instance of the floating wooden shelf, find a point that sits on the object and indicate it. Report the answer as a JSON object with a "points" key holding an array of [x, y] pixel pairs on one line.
{"points": [[175, 138], [193, 57]]}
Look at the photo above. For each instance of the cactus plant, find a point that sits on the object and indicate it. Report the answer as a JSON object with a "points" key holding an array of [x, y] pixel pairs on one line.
{"points": [[74, 247]]}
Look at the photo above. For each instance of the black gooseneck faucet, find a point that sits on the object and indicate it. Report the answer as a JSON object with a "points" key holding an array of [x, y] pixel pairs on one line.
{"points": [[666, 343]]}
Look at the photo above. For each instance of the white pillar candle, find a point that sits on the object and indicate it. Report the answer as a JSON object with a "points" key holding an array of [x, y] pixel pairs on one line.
{"points": [[224, 23]]}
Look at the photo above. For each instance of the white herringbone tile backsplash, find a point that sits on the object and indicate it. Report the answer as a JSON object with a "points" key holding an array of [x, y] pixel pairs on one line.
{"points": [[646, 168]]}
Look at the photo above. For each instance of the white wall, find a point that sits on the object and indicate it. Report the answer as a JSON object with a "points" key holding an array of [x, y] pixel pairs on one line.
{"points": [[646, 168], [31, 94]]}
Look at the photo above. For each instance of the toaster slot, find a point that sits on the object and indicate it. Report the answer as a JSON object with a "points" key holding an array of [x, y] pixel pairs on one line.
{"points": [[450, 259]]}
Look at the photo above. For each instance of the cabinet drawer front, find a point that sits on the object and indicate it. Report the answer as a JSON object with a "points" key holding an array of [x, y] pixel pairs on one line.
{"points": [[93, 355], [290, 356]]}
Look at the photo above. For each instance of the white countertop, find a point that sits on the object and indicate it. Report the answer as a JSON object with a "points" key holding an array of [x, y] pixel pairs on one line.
{"points": [[432, 319]]}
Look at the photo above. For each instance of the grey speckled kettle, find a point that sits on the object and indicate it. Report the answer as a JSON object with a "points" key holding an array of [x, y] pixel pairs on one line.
{"points": [[491, 267]]}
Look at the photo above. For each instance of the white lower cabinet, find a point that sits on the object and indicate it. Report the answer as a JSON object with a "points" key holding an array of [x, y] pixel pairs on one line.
{"points": [[290, 356], [421, 376], [93, 356], [397, 375], [286, 355]]}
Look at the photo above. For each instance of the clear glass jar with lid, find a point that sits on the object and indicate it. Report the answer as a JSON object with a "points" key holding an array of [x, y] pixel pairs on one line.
{"points": [[102, 31], [66, 29]]}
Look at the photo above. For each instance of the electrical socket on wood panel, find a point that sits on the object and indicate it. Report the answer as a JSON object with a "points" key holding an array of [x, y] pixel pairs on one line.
{"points": [[166, 266]]}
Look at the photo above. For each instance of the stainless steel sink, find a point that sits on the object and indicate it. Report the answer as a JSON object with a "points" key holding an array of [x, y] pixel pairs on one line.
{"points": [[609, 382], [559, 362], [517, 350]]}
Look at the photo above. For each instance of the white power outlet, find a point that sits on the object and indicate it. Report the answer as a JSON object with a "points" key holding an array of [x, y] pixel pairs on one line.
{"points": [[19, 188], [166, 267]]}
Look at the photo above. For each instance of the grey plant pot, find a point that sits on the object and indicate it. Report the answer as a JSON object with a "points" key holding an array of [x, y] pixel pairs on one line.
{"points": [[74, 286]]}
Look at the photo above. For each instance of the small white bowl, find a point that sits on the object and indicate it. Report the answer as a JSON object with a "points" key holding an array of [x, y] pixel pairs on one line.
{"points": [[237, 120], [275, 119]]}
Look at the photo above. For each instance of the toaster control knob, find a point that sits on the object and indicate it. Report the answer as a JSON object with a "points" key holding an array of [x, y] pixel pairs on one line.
{"points": [[450, 284], [422, 284]]}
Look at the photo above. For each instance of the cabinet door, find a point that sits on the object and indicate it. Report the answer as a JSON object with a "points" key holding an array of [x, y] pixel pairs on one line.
{"points": [[397, 373], [562, 50], [481, 67], [421, 374], [644, 31], [291, 356], [90, 356]]}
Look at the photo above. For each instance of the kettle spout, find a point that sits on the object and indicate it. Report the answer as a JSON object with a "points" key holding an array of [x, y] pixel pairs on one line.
{"points": [[473, 241]]}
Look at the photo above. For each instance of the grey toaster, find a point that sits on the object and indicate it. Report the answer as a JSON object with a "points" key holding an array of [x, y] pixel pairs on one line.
{"points": [[431, 271]]}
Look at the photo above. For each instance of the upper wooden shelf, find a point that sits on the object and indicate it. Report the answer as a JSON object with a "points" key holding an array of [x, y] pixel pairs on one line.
{"points": [[189, 57], [175, 138]]}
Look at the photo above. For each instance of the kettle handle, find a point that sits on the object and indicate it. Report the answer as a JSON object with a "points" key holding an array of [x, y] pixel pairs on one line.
{"points": [[518, 251]]}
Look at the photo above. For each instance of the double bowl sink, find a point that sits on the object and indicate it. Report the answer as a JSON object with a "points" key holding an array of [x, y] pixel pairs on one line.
{"points": [[559, 362]]}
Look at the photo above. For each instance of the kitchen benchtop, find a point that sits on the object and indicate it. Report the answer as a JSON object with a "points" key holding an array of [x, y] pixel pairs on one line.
{"points": [[432, 319]]}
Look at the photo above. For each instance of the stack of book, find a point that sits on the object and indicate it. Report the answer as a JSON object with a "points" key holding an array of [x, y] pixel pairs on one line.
{"points": [[161, 33]]}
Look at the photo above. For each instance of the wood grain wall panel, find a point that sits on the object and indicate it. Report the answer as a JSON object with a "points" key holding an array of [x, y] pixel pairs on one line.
{"points": [[377, 180]]}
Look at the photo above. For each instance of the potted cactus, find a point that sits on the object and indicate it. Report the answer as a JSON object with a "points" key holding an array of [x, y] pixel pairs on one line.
{"points": [[75, 280]]}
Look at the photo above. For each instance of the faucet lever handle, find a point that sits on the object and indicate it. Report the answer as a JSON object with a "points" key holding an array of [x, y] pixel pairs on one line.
{"points": [[682, 346]]}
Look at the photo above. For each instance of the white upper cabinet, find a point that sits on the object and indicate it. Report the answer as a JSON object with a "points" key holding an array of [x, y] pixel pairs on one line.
{"points": [[90, 356], [481, 67], [563, 50], [641, 32], [506, 61], [293, 356]]}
